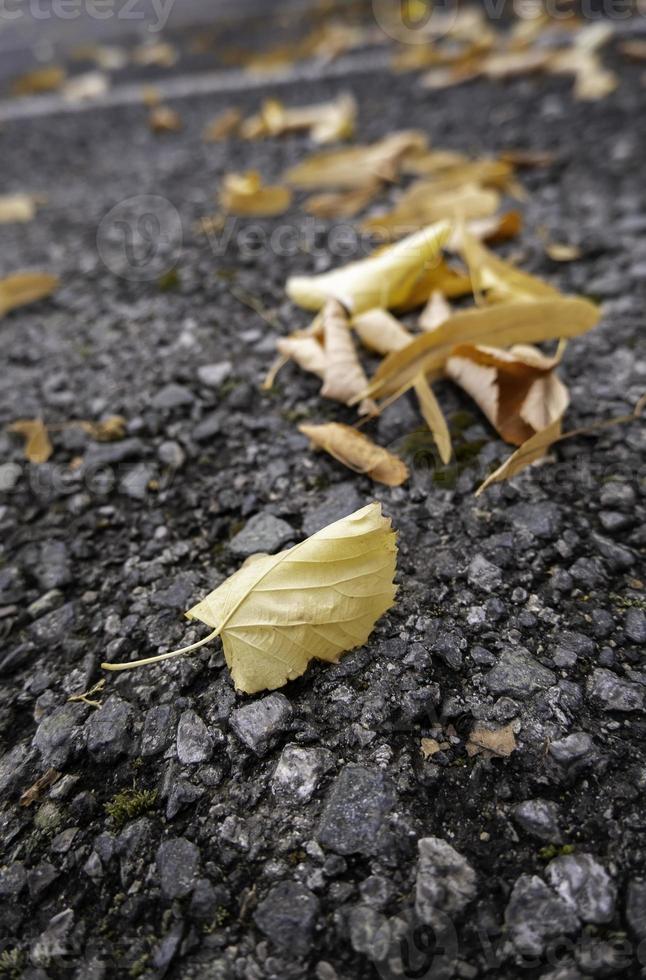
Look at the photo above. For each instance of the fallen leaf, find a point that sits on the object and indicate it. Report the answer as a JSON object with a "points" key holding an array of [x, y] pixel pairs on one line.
{"points": [[161, 54], [343, 377], [560, 252], [433, 416], [425, 202], [357, 165], [357, 451], [307, 351], [39, 81], [17, 208], [436, 311], [244, 194], [341, 204], [523, 159], [150, 96], [439, 277], [635, 50], [110, 429], [451, 169], [381, 332], [163, 119], [224, 125], [446, 76], [492, 741], [34, 793], [510, 64], [38, 447], [530, 452], [86, 87], [496, 281], [384, 279], [315, 600], [498, 228], [326, 122], [430, 747], [517, 389], [497, 326], [25, 287], [105, 56]]}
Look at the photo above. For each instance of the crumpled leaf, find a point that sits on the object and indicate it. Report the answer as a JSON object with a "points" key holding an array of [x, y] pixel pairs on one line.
{"points": [[492, 741], [357, 165], [245, 195], [343, 376], [357, 451], [224, 125], [163, 119], [17, 208], [315, 600], [427, 201], [384, 279], [497, 326], [306, 350], [22, 288], [38, 447], [342, 204], [380, 331], [433, 416], [517, 389], [497, 281], [327, 122]]}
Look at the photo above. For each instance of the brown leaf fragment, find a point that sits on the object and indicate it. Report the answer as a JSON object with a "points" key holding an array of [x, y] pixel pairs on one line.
{"points": [[23, 288], [434, 417], [38, 447], [223, 126], [245, 195], [358, 452], [430, 747], [528, 159], [492, 741], [110, 429], [34, 793], [530, 452], [163, 119]]}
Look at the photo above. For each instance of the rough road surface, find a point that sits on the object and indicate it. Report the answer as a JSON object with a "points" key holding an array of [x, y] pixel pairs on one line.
{"points": [[197, 833]]}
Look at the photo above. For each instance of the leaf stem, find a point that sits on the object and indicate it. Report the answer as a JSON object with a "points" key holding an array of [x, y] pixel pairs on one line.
{"points": [[163, 656]]}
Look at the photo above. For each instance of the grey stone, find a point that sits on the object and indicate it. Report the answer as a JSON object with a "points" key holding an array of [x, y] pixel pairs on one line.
{"points": [[570, 646], [483, 574], [369, 932], [636, 907], [55, 734], [535, 915], [519, 674], [339, 501], [158, 730], [572, 749], [54, 625], [543, 520], [182, 794], [616, 555], [287, 916], [53, 569], [617, 496], [584, 885], [171, 454], [172, 396], [10, 473], [212, 375], [52, 944], [263, 532], [299, 771], [103, 454], [446, 882], [45, 603], [194, 743], [540, 819], [612, 693], [376, 891], [178, 861], [258, 724], [355, 816], [134, 483], [13, 879], [209, 426], [635, 625], [109, 730]]}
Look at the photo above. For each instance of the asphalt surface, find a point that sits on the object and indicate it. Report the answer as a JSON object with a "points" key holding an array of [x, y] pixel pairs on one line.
{"points": [[279, 837]]}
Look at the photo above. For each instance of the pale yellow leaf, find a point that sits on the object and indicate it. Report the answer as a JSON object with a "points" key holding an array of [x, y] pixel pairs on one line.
{"points": [[163, 119], [494, 741], [17, 208], [560, 252], [344, 376], [497, 281], [38, 447], [313, 601], [224, 125], [436, 311], [358, 452], [380, 331], [430, 747], [433, 416], [25, 287], [385, 279], [357, 165], [438, 277], [509, 64], [307, 352], [530, 452], [326, 122], [161, 54], [84, 88], [245, 195], [341, 204], [425, 202]]}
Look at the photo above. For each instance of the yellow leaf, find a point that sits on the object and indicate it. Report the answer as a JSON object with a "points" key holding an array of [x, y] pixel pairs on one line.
{"points": [[39, 81], [497, 281], [530, 452], [498, 326], [450, 169], [327, 122], [244, 194], [436, 311], [381, 332], [316, 600], [226, 124], [84, 88], [306, 351], [425, 202], [158, 53], [433, 416], [357, 165], [38, 447], [341, 204], [517, 389], [560, 252], [17, 208], [344, 376], [23, 288], [163, 119], [385, 279], [439, 277], [109, 429], [356, 451], [509, 64]]}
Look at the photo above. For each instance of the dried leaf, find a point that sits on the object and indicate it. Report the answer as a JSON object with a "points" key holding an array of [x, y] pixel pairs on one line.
{"points": [[530, 452], [381, 332], [510, 64], [306, 351], [425, 202], [163, 119], [439, 277], [84, 88], [497, 281], [244, 194], [358, 452], [436, 311], [433, 416], [17, 208], [327, 122], [315, 600], [384, 279], [39, 81], [450, 169], [110, 429], [497, 326], [498, 228], [224, 125], [341, 204], [492, 741], [358, 165], [560, 252], [344, 376], [528, 158], [516, 389], [23, 288], [161, 54], [635, 50], [34, 793], [430, 747], [38, 447]]}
